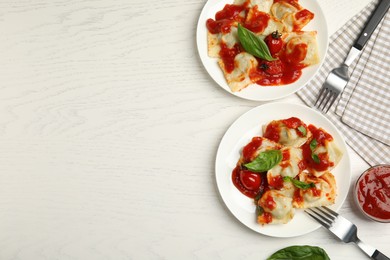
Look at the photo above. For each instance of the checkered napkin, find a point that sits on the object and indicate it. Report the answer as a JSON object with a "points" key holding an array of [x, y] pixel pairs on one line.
{"points": [[362, 112]]}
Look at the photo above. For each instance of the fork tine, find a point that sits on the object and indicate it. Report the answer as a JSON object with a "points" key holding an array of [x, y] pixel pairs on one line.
{"points": [[328, 97], [330, 216], [319, 219], [331, 102], [330, 211], [320, 97]]}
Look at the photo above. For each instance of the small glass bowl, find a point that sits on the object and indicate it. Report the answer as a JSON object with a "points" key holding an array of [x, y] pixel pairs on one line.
{"points": [[386, 169]]}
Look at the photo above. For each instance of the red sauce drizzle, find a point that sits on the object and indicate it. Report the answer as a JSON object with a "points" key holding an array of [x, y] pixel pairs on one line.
{"points": [[286, 155], [258, 21], [286, 69], [321, 136], [291, 2], [294, 123], [228, 55], [272, 131], [316, 192], [268, 202], [297, 197], [310, 163], [303, 16], [251, 193], [373, 191], [265, 218], [250, 149], [297, 55], [276, 182], [225, 18]]}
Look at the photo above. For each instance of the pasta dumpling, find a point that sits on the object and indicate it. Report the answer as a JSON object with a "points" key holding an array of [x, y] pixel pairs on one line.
{"points": [[322, 194], [288, 132]]}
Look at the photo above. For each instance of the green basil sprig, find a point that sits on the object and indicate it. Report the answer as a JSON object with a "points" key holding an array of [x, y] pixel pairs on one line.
{"points": [[313, 145], [265, 161], [302, 129], [299, 184], [301, 253], [253, 44]]}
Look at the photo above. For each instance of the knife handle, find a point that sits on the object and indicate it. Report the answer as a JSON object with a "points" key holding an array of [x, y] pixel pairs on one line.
{"points": [[379, 256], [372, 23]]}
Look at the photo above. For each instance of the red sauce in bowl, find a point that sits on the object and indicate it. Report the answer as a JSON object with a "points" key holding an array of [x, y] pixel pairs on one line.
{"points": [[373, 193]]}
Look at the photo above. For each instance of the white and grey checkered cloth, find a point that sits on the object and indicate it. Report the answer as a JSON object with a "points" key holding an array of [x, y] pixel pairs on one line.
{"points": [[362, 112]]}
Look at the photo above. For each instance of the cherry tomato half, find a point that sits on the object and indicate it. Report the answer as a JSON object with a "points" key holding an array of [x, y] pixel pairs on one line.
{"points": [[274, 42], [250, 180]]}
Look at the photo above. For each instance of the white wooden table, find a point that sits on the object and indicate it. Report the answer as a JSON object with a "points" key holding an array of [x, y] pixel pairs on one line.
{"points": [[109, 127]]}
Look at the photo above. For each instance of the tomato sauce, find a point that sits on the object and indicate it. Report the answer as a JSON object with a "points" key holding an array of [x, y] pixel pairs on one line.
{"points": [[321, 137], [225, 18], [291, 2], [228, 55], [286, 69], [276, 182], [267, 202], [257, 21], [297, 197], [250, 192], [303, 16], [373, 192], [249, 151], [323, 163], [265, 218], [272, 130]]}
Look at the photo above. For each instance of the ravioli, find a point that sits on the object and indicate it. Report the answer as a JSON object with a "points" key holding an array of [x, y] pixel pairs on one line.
{"points": [[288, 132], [277, 208], [321, 153], [322, 194], [263, 18], [283, 164], [302, 48], [257, 145], [263, 5], [289, 166], [240, 78], [294, 17]]}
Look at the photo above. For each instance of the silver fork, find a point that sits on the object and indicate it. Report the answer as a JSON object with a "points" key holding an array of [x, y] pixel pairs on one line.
{"points": [[343, 229], [339, 77]]}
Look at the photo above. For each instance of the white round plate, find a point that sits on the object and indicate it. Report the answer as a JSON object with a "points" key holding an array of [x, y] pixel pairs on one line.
{"points": [[254, 91], [240, 133]]}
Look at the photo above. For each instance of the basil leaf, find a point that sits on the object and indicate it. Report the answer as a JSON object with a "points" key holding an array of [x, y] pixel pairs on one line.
{"points": [[313, 144], [299, 184], [302, 129], [259, 210], [315, 158], [253, 44], [301, 253], [265, 161]]}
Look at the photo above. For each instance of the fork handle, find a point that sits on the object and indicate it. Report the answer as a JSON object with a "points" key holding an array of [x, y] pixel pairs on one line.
{"points": [[379, 256], [370, 250], [372, 23]]}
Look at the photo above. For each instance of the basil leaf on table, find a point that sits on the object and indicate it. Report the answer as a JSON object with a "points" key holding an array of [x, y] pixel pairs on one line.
{"points": [[253, 44], [265, 161], [300, 253], [299, 184]]}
